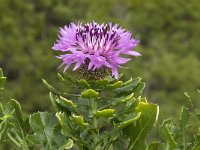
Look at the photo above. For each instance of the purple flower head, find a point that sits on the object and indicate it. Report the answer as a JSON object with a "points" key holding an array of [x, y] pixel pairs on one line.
{"points": [[97, 45]]}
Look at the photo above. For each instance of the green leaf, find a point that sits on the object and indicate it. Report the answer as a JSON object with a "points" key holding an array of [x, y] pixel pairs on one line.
{"points": [[196, 148], [13, 107], [105, 113], [122, 99], [46, 131], [2, 79], [129, 119], [36, 138], [60, 77], [165, 132], [70, 131], [154, 146], [67, 102], [185, 115], [69, 78], [139, 89], [196, 142], [3, 127], [114, 85], [2, 83], [79, 121], [90, 94], [115, 133], [50, 87], [100, 83], [62, 104], [56, 92], [83, 83], [16, 125], [198, 116], [139, 131], [63, 121], [129, 85], [68, 144], [198, 91], [53, 99]]}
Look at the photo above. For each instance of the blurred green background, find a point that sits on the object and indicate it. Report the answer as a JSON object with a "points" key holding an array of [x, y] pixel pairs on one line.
{"points": [[169, 32]]}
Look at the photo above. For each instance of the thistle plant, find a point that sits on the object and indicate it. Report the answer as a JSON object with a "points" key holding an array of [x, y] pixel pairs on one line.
{"points": [[95, 47], [105, 114]]}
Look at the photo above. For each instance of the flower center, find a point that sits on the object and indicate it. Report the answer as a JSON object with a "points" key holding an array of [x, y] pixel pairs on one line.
{"points": [[92, 38]]}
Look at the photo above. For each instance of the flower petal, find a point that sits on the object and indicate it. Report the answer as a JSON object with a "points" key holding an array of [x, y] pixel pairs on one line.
{"points": [[103, 44]]}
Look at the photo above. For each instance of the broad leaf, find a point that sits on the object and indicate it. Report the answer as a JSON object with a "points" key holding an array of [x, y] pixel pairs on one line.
{"points": [[138, 132], [14, 106], [68, 129], [46, 132], [16, 126]]}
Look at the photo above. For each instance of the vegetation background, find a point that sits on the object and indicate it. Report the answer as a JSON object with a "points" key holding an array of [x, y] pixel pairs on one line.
{"points": [[169, 32]]}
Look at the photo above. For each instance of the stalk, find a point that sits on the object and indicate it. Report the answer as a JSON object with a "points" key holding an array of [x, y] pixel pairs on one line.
{"points": [[95, 132]]}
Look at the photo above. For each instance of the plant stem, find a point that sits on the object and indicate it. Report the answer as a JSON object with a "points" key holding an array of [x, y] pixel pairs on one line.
{"points": [[95, 132]]}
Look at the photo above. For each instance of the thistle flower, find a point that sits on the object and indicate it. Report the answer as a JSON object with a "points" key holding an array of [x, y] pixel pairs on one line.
{"points": [[95, 46]]}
